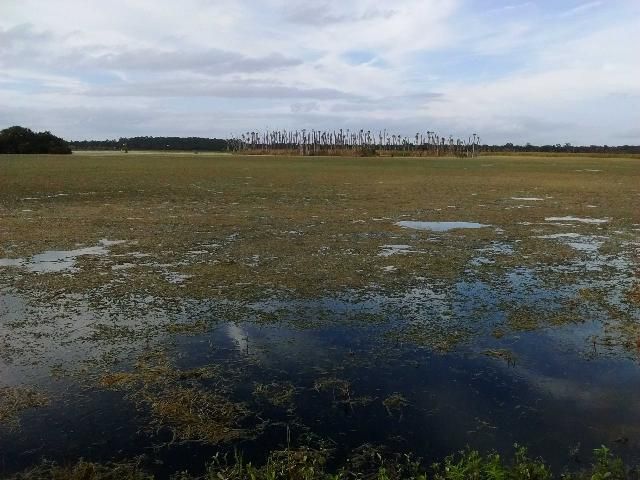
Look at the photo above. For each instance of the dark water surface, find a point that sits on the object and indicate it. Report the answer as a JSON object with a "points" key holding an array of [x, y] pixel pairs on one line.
{"points": [[557, 387]]}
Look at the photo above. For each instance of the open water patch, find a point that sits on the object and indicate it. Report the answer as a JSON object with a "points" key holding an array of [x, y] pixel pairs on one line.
{"points": [[54, 261], [577, 219], [388, 250], [439, 226], [582, 243]]}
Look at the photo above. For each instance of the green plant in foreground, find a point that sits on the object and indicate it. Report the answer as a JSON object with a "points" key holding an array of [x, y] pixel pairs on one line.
{"points": [[607, 466], [471, 465], [366, 464]]}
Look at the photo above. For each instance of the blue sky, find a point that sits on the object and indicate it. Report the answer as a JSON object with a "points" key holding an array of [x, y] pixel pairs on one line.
{"points": [[538, 71]]}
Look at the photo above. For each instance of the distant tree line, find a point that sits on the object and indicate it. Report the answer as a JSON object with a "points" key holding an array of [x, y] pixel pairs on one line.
{"points": [[155, 143], [399, 143], [562, 148], [23, 140]]}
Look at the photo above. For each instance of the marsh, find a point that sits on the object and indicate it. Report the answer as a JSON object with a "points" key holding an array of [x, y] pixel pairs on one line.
{"points": [[171, 308]]}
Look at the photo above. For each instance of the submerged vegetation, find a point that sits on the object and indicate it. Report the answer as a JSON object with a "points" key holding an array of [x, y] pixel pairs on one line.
{"points": [[14, 400], [178, 401]]}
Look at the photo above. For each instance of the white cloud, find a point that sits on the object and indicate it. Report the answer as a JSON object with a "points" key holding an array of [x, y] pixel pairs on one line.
{"points": [[527, 72], [580, 9]]}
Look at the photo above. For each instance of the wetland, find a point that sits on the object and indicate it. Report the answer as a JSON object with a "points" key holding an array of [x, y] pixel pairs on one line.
{"points": [[161, 312]]}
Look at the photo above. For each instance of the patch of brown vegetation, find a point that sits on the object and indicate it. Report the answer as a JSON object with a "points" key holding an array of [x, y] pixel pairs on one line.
{"points": [[15, 400], [178, 400]]}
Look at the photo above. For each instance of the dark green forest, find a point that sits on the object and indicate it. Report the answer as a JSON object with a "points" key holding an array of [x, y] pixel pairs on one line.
{"points": [[23, 140], [154, 143]]}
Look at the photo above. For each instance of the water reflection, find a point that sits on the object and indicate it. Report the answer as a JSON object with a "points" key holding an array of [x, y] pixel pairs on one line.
{"points": [[439, 226], [54, 261], [478, 362]]}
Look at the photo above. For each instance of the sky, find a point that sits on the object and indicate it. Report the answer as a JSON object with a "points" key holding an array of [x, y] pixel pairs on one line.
{"points": [[545, 72]]}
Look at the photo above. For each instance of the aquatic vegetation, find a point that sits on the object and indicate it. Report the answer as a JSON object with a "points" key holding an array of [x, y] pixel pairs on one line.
{"points": [[339, 388], [341, 392], [441, 338], [177, 401], [199, 326], [83, 470], [523, 319], [193, 414], [528, 319], [502, 354], [15, 400], [634, 294], [280, 394], [395, 403]]}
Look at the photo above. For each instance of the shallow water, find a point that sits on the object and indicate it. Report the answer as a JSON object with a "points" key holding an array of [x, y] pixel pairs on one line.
{"points": [[576, 219], [54, 261], [388, 250], [484, 361], [552, 396], [583, 243], [11, 262], [439, 226]]}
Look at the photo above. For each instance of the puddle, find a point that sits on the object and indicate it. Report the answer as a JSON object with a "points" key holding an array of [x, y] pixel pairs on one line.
{"points": [[123, 266], [439, 226], [576, 219], [54, 261], [11, 262], [528, 199], [176, 278], [582, 243], [388, 250]]}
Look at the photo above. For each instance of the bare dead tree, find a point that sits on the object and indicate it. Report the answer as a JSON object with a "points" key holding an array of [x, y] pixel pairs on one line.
{"points": [[359, 142]]}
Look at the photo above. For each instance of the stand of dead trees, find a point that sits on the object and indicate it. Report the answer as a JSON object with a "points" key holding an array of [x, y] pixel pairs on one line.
{"points": [[361, 142]]}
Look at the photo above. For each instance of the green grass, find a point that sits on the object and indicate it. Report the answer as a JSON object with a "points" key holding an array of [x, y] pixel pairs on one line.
{"points": [[368, 463]]}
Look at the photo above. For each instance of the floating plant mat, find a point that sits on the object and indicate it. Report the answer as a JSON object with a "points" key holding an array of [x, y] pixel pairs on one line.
{"points": [[266, 304]]}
